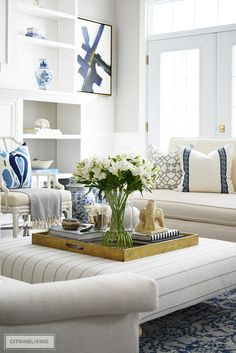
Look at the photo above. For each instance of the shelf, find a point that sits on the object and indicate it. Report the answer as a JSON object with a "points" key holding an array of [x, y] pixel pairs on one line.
{"points": [[65, 108], [28, 93], [43, 12], [63, 137], [44, 42]]}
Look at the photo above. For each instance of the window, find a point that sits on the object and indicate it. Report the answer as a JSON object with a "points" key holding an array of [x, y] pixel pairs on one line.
{"points": [[178, 15], [179, 94], [191, 75]]}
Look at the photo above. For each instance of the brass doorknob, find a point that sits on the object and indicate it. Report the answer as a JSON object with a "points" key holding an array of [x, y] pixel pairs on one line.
{"points": [[222, 128]]}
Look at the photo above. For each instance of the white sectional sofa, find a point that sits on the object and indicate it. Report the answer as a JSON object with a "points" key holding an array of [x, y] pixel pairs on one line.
{"points": [[211, 215], [96, 314]]}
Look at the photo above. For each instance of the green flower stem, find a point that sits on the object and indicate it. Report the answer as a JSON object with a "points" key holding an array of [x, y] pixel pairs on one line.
{"points": [[117, 235]]}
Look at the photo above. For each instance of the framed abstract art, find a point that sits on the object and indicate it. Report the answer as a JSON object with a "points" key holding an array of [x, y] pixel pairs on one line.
{"points": [[94, 57]]}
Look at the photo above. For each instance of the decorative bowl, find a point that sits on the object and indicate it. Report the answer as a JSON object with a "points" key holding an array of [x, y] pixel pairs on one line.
{"points": [[70, 224], [39, 164]]}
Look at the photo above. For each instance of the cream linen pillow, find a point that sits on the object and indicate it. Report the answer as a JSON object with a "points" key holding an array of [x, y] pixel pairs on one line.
{"points": [[206, 173]]}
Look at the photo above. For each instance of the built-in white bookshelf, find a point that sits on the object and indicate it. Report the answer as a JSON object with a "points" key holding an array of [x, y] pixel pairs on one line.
{"points": [[61, 104], [44, 42], [64, 149], [22, 102], [29, 8], [58, 20]]}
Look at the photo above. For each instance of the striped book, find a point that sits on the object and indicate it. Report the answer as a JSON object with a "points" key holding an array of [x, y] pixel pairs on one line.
{"points": [[170, 233]]}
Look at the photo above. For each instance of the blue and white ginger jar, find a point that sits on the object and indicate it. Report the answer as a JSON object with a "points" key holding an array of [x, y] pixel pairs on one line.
{"points": [[81, 199], [44, 74]]}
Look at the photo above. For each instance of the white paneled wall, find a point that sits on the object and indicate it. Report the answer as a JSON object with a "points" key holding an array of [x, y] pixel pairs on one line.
{"points": [[130, 143]]}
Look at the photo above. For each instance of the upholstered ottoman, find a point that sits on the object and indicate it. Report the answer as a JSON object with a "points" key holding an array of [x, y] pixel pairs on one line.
{"points": [[184, 277]]}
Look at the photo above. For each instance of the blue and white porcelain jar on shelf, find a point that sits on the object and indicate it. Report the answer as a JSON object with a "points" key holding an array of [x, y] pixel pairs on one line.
{"points": [[44, 74]]}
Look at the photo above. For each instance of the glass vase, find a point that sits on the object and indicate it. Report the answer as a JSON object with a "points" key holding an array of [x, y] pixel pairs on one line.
{"points": [[117, 235]]}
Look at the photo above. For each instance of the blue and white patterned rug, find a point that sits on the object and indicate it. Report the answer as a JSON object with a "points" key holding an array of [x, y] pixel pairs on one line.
{"points": [[208, 327]]}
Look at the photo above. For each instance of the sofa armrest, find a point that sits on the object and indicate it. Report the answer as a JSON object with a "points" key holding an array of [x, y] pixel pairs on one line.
{"points": [[100, 295]]}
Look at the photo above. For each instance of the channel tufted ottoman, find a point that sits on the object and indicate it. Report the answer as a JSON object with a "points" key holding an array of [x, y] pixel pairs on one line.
{"points": [[184, 277]]}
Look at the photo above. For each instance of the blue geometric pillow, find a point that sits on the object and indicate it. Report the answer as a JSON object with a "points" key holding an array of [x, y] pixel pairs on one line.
{"points": [[15, 168]]}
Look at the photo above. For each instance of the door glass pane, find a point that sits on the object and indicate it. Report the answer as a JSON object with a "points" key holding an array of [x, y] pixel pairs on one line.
{"points": [[183, 15], [205, 13], [234, 91], [227, 12], [179, 94], [180, 15], [161, 18]]}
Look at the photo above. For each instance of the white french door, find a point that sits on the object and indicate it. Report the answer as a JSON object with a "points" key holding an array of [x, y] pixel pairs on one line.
{"points": [[192, 87], [226, 84]]}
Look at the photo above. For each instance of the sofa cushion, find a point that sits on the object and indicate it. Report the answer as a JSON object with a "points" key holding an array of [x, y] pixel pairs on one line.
{"points": [[170, 173], [20, 199], [16, 168], [206, 173], [204, 207], [206, 145]]}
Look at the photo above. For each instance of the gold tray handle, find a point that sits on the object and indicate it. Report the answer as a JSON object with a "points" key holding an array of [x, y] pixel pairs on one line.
{"points": [[74, 246]]}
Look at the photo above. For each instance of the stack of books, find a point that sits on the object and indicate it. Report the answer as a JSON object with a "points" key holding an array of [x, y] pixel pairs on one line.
{"points": [[87, 233], [43, 132], [158, 236], [60, 232], [48, 132], [30, 130]]}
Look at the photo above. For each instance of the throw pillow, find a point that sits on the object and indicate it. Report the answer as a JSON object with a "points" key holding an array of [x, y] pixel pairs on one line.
{"points": [[15, 168], [170, 173], [206, 173]]}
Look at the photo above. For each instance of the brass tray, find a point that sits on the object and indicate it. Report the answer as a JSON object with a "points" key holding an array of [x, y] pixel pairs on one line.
{"points": [[96, 249]]}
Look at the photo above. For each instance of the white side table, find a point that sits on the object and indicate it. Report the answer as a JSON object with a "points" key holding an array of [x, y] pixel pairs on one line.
{"points": [[51, 176]]}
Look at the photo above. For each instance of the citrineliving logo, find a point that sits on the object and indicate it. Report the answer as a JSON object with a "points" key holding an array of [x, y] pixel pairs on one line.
{"points": [[29, 341]]}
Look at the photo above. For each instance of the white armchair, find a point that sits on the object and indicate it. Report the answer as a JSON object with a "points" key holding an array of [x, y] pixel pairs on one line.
{"points": [[18, 204], [91, 315]]}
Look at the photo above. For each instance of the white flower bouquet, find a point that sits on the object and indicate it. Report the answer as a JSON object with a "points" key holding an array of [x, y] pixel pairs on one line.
{"points": [[117, 177], [124, 172]]}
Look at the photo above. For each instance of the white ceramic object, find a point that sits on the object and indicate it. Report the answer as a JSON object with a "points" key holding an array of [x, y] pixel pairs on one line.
{"points": [[38, 164], [131, 217], [42, 123]]}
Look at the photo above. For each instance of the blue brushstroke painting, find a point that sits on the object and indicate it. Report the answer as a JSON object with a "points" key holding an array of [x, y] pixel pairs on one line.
{"points": [[88, 64]]}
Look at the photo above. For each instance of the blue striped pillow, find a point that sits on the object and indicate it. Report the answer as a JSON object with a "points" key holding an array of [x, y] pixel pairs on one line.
{"points": [[206, 173], [15, 168]]}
